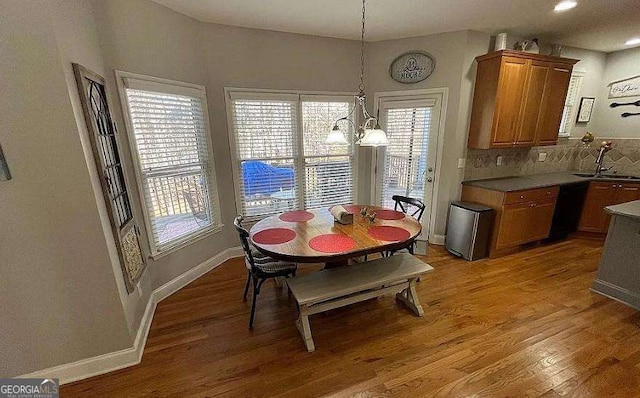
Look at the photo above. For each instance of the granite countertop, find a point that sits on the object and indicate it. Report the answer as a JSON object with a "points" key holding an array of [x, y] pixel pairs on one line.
{"points": [[629, 209], [519, 183]]}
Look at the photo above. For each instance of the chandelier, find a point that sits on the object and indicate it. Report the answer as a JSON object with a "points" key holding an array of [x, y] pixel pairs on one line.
{"points": [[369, 132]]}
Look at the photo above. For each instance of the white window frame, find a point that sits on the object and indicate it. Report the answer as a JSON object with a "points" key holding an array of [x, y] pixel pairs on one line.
{"points": [[179, 88], [573, 112], [231, 93]]}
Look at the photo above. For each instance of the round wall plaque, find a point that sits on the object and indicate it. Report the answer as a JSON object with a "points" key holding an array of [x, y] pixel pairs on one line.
{"points": [[412, 67]]}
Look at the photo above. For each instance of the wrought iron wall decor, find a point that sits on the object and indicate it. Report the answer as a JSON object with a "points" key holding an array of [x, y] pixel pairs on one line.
{"points": [[104, 142], [617, 104], [5, 174]]}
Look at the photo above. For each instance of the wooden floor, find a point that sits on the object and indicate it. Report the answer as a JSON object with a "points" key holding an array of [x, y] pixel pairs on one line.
{"points": [[523, 325]]}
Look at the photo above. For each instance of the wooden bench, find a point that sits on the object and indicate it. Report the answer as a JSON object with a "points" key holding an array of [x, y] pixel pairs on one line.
{"points": [[336, 287]]}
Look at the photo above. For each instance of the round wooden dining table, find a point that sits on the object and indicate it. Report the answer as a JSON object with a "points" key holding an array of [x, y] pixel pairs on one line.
{"points": [[312, 236]]}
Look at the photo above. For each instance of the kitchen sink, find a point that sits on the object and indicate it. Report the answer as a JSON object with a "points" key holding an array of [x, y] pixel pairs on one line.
{"points": [[613, 176]]}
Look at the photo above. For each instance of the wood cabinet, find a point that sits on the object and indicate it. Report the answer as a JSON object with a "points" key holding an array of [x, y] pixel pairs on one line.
{"points": [[552, 105], [521, 216], [600, 195], [518, 99]]}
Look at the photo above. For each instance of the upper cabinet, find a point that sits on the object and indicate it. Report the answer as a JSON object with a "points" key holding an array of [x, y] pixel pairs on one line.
{"points": [[518, 99]]}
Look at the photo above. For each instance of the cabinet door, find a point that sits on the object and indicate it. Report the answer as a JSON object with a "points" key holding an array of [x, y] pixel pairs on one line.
{"points": [[513, 225], [599, 196], [540, 222], [525, 222], [552, 105], [534, 89], [627, 192], [513, 74]]}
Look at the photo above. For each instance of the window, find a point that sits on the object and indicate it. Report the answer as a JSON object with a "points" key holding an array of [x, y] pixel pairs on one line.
{"points": [[280, 160], [568, 115], [409, 126], [168, 129]]}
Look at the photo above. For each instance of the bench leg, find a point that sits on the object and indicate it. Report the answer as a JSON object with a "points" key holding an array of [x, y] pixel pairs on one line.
{"points": [[304, 328], [410, 298]]}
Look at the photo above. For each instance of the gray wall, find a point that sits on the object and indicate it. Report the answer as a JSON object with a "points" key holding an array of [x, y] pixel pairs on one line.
{"points": [[58, 293], [608, 122], [593, 64]]}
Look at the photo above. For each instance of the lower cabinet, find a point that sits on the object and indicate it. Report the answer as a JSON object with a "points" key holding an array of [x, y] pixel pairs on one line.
{"points": [[525, 222], [600, 195], [521, 216]]}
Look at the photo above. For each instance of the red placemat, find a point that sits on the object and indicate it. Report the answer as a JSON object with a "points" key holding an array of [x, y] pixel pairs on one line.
{"points": [[332, 243], [389, 215], [274, 236], [390, 234], [296, 216]]}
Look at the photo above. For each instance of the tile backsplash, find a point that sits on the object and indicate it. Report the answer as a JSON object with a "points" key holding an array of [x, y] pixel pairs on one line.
{"points": [[569, 154]]}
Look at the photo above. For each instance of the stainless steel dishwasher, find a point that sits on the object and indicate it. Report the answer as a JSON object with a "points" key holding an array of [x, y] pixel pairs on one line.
{"points": [[469, 230]]}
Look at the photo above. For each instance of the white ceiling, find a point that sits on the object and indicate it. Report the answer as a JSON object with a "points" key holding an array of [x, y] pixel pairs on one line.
{"points": [[594, 24]]}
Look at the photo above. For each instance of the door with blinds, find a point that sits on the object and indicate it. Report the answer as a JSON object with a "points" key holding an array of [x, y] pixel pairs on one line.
{"points": [[103, 135], [406, 167]]}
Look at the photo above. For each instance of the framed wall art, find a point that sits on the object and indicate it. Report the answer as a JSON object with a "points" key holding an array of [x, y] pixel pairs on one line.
{"points": [[585, 110]]}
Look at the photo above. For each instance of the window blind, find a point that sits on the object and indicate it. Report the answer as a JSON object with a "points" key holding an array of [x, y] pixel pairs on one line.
{"points": [[175, 166], [328, 168], [405, 158], [266, 151], [281, 161], [569, 105]]}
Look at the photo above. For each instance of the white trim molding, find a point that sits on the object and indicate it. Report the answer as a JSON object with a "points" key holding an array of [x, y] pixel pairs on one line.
{"points": [[112, 361], [437, 239]]}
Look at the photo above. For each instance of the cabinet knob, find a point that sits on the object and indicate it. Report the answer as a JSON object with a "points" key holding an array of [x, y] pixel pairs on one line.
{"points": [[521, 196]]}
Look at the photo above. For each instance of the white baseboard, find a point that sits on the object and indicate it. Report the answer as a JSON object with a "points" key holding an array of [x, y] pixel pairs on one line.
{"points": [[105, 363], [437, 239], [194, 273]]}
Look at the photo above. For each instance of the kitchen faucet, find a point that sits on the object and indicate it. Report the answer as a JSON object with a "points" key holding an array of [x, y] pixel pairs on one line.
{"points": [[604, 148]]}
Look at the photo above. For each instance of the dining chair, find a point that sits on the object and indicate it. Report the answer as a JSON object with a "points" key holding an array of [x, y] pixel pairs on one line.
{"points": [[260, 267], [411, 206]]}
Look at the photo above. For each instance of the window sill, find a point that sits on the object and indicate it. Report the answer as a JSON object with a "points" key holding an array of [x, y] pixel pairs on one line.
{"points": [[181, 244]]}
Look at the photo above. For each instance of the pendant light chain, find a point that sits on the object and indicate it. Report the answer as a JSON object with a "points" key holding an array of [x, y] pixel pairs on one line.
{"points": [[361, 87], [369, 132]]}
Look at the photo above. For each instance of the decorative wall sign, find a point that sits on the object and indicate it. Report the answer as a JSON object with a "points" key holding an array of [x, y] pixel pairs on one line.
{"points": [[585, 109], [412, 67], [625, 88], [5, 174]]}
